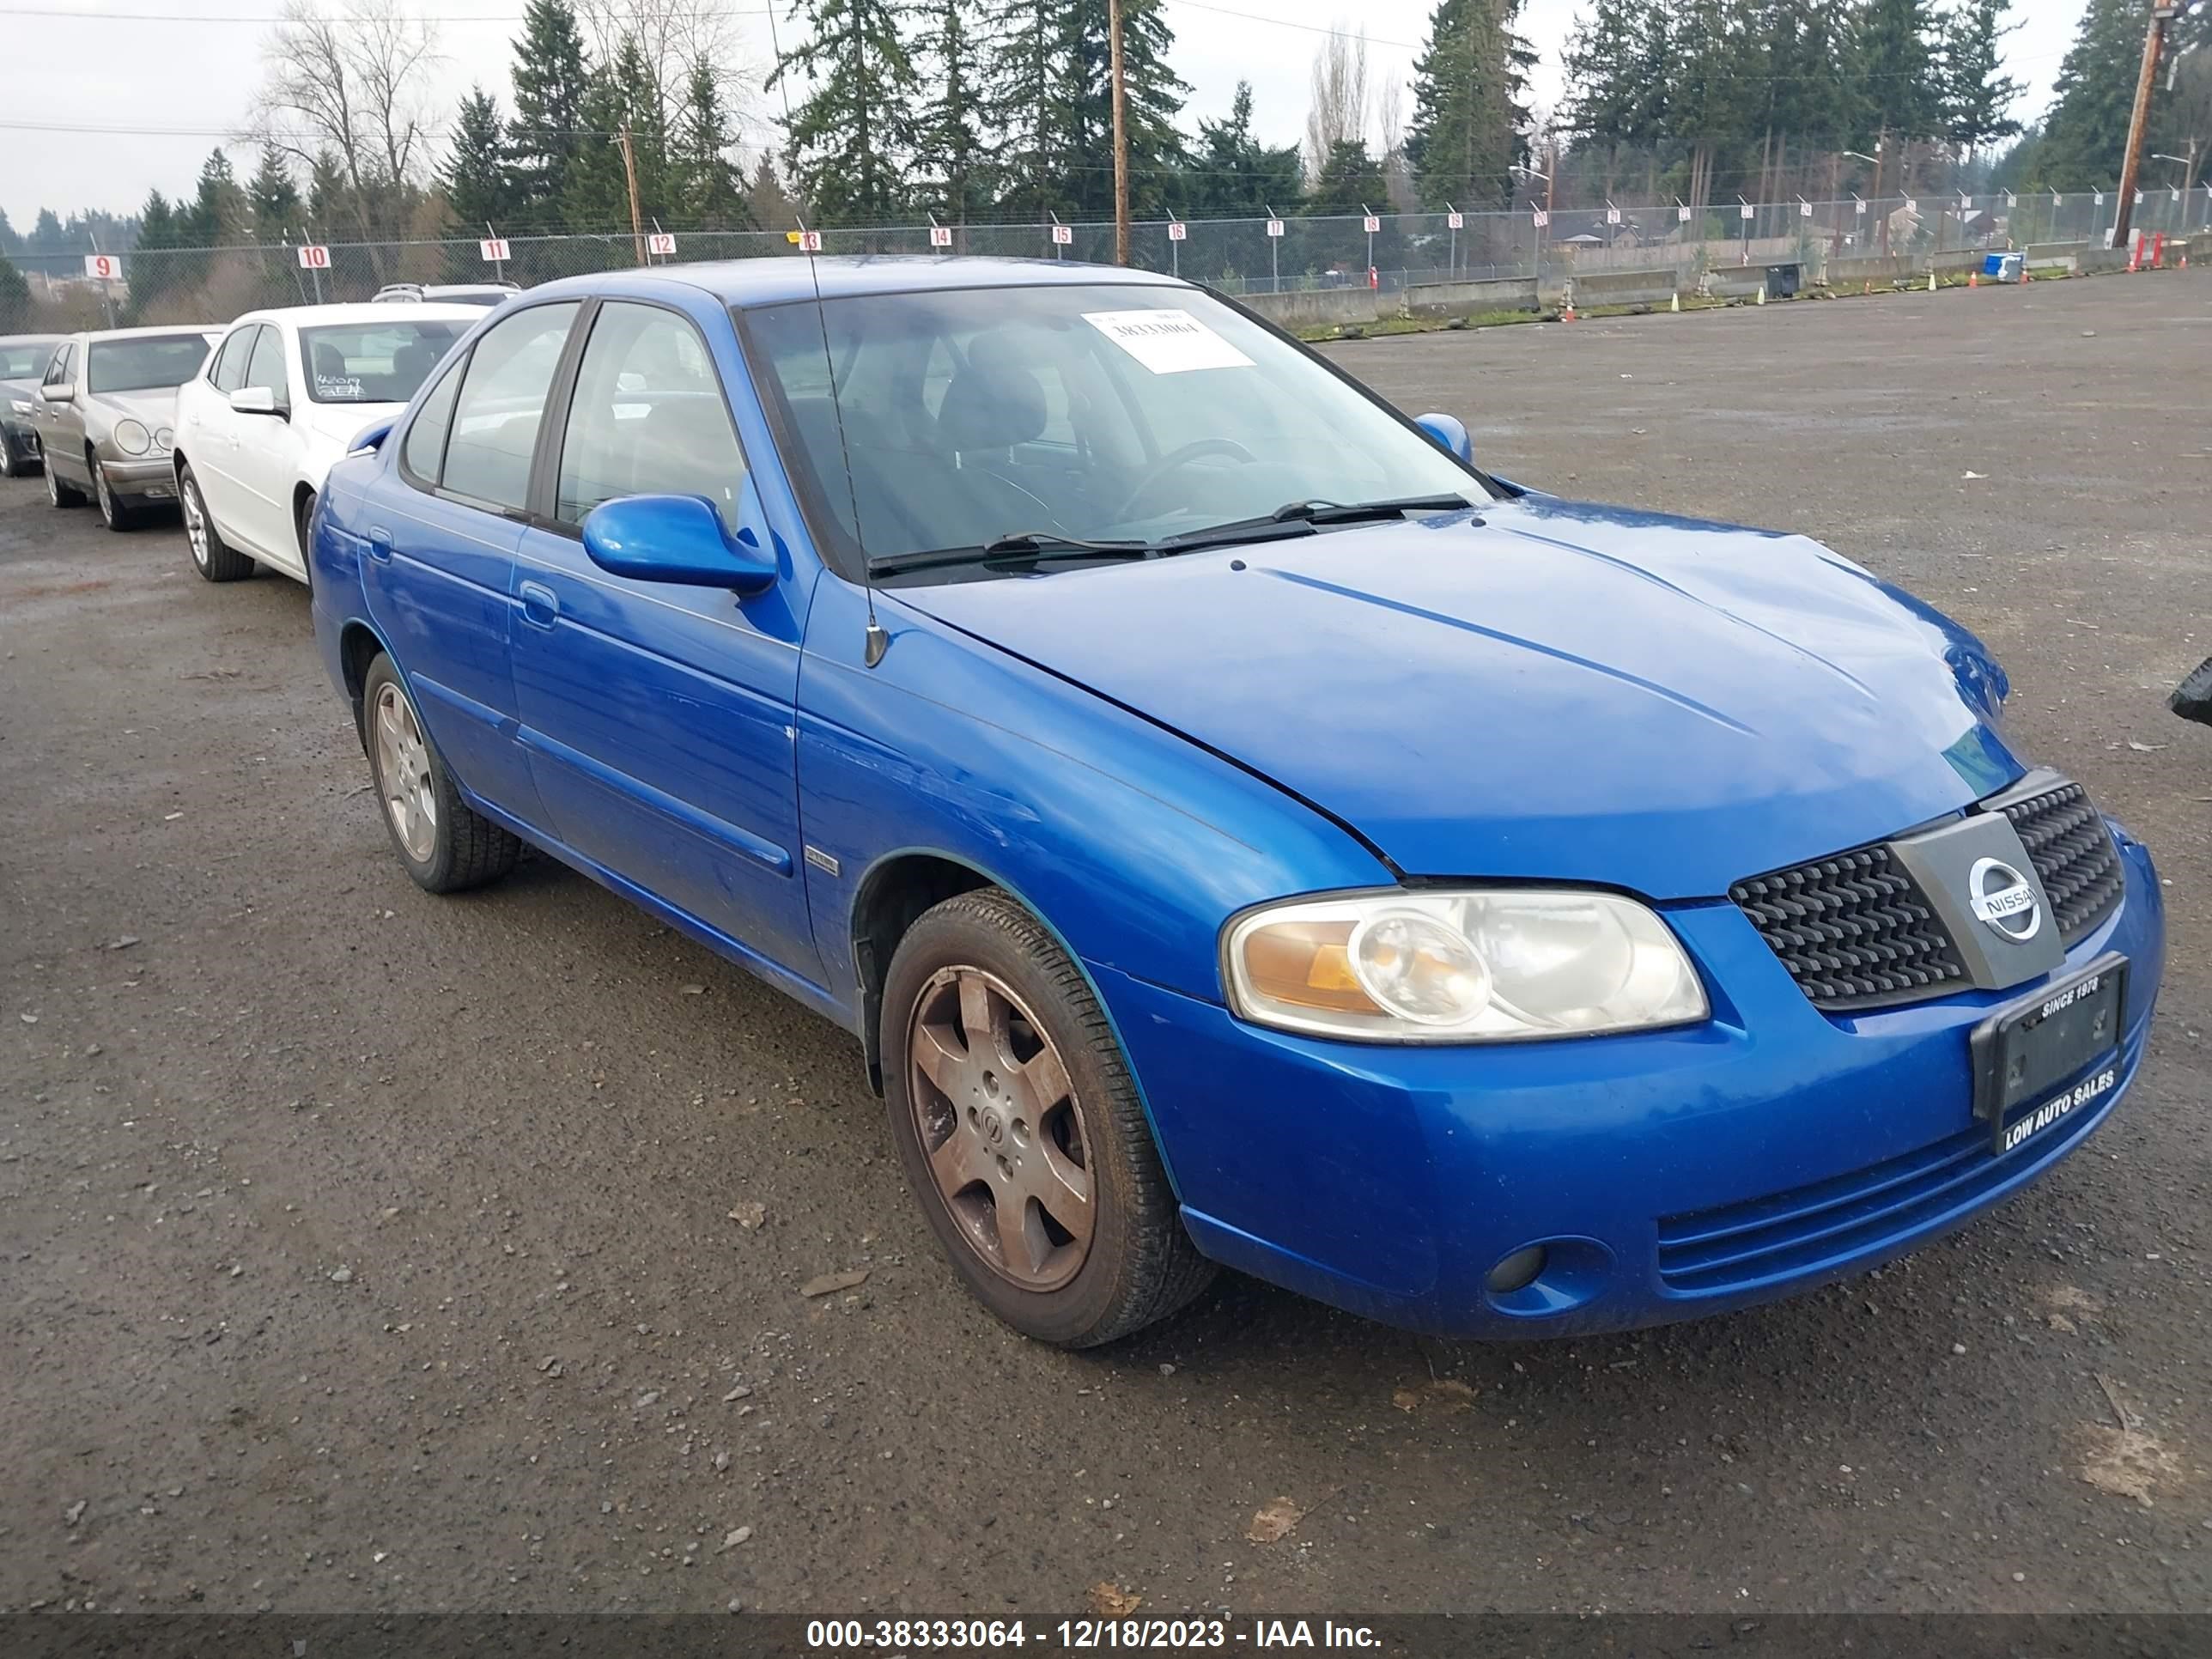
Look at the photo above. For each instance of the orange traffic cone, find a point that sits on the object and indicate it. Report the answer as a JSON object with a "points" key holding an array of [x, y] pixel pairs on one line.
{"points": [[1973, 279]]}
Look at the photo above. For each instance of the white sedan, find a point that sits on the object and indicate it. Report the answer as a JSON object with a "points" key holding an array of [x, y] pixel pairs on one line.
{"points": [[280, 399]]}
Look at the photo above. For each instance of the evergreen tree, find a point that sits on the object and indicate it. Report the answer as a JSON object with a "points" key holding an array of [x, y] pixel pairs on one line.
{"points": [[2085, 133], [1975, 93], [771, 207], [475, 180], [621, 96], [1470, 91], [1350, 180], [953, 153], [217, 215], [703, 182], [1233, 173], [849, 138], [159, 232], [552, 82], [14, 299], [1900, 86], [1027, 89], [10, 241], [327, 189], [273, 199], [1152, 104]]}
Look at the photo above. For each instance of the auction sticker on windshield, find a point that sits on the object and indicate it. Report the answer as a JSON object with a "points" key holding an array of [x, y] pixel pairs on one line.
{"points": [[1167, 342]]}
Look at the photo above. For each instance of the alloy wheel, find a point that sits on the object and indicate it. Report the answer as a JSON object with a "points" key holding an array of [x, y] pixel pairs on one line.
{"points": [[402, 774], [195, 527], [1001, 1128], [53, 488], [99, 487]]}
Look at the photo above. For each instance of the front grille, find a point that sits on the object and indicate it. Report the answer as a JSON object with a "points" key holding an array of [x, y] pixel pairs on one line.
{"points": [[1855, 931], [1880, 1206], [2073, 853]]}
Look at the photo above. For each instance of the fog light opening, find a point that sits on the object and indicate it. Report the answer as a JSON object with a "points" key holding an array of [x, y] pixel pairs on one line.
{"points": [[1518, 1270]]}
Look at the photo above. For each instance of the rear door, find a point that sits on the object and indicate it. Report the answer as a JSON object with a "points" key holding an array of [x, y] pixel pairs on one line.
{"points": [[440, 557], [210, 437], [658, 717]]}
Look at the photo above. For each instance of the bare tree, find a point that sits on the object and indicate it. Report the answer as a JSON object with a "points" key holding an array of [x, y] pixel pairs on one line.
{"points": [[671, 36], [1339, 81], [352, 87]]}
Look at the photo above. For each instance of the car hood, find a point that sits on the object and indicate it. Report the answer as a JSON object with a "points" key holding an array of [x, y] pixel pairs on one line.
{"points": [[11, 389], [153, 408], [1547, 690]]}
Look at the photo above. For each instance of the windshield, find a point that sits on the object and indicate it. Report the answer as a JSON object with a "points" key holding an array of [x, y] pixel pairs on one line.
{"points": [[377, 362], [24, 360], [1107, 413], [143, 365]]}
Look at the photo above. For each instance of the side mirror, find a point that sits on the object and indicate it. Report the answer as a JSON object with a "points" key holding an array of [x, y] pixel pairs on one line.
{"points": [[54, 394], [1450, 434], [676, 538], [257, 400]]}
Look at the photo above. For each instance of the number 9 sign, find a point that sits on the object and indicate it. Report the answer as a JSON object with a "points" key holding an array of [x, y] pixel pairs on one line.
{"points": [[103, 267]]}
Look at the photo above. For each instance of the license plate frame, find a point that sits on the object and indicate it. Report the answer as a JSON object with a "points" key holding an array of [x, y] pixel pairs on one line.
{"points": [[2030, 1058]]}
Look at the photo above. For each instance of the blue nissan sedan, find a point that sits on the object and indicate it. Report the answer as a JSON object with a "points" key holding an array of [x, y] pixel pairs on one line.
{"points": [[1238, 829]]}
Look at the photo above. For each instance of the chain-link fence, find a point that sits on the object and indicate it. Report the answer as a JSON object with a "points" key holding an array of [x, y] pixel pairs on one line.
{"points": [[1239, 256]]}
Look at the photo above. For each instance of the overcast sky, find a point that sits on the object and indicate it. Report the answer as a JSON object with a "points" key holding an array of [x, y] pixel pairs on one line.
{"points": [[170, 79]]}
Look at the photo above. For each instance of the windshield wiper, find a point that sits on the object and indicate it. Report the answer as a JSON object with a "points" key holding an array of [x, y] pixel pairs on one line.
{"points": [[1352, 513], [1019, 545]]}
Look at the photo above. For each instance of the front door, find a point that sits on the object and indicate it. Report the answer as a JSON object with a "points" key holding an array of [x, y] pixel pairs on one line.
{"points": [[264, 456], [209, 438], [61, 422], [658, 717]]}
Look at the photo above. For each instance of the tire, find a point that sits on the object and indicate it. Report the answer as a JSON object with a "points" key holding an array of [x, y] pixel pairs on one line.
{"points": [[59, 492], [112, 513], [446, 844], [1006, 1121], [11, 464], [214, 558]]}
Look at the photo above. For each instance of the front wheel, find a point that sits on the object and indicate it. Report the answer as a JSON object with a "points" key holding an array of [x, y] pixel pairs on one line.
{"points": [[1020, 1132], [213, 557], [112, 513], [58, 492], [446, 844]]}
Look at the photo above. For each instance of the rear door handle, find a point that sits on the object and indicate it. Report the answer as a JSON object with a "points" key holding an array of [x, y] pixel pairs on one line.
{"points": [[379, 544], [541, 606]]}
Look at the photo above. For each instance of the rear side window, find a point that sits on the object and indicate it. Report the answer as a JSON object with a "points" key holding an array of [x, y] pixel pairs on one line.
{"points": [[502, 405], [648, 418], [425, 453], [227, 373]]}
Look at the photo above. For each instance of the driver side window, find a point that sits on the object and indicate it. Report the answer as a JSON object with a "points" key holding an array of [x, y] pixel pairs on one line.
{"points": [[227, 372]]}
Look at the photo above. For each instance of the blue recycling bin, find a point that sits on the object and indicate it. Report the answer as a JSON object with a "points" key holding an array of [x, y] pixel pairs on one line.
{"points": [[2004, 267]]}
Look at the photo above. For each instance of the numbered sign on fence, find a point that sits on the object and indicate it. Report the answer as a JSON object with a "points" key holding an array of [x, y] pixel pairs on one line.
{"points": [[494, 250], [1274, 226], [1542, 218], [1063, 235], [2057, 200], [2011, 200], [1613, 215], [1862, 207], [1910, 205], [1744, 212], [313, 256], [1455, 222], [2177, 192], [2098, 200], [1372, 224], [1175, 230], [104, 266], [940, 236], [1804, 209], [2138, 198], [1683, 214], [809, 242], [661, 241]]}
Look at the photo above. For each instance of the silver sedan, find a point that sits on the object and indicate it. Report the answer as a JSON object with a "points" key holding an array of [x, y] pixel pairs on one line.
{"points": [[104, 414]]}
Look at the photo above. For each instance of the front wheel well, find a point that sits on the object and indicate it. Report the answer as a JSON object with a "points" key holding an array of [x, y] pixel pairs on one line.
{"points": [[892, 896]]}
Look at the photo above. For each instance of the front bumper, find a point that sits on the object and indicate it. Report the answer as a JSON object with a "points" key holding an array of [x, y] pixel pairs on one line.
{"points": [[141, 477], [21, 436], [1668, 1174]]}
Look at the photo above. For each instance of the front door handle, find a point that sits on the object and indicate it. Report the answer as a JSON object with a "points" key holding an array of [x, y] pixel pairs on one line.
{"points": [[541, 606], [379, 544]]}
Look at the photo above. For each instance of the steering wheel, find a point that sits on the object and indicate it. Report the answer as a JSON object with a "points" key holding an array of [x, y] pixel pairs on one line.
{"points": [[1179, 458]]}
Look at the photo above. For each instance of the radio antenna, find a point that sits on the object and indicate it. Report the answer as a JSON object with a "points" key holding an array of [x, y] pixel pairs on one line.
{"points": [[809, 244]]}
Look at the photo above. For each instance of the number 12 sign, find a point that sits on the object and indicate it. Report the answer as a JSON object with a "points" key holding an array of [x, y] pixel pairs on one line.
{"points": [[662, 242]]}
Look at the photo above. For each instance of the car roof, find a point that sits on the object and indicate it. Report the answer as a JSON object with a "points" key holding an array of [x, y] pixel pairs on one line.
{"points": [[363, 311], [95, 335], [778, 278], [32, 339]]}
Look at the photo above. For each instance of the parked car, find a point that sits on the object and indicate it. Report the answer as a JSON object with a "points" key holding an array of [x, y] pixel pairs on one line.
{"points": [[23, 360], [105, 415], [2192, 698], [1237, 828], [280, 399], [451, 293]]}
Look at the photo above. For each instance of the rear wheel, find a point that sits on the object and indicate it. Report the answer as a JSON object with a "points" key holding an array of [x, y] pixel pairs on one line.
{"points": [[212, 557], [303, 526], [60, 493], [446, 844], [112, 513], [1020, 1132]]}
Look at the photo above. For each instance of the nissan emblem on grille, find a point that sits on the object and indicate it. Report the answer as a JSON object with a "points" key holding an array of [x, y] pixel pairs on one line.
{"points": [[2003, 900]]}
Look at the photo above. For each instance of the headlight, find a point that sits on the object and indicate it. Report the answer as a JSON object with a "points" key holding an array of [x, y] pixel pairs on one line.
{"points": [[1477, 965], [164, 438], [131, 438]]}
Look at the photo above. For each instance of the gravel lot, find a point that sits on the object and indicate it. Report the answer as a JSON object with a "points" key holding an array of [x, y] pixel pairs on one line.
{"points": [[366, 1250]]}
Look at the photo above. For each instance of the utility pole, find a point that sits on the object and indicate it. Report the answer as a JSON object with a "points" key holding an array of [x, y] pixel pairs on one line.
{"points": [[2162, 12], [629, 172], [1120, 135]]}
